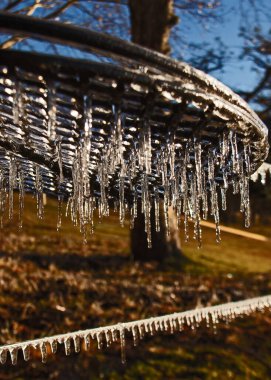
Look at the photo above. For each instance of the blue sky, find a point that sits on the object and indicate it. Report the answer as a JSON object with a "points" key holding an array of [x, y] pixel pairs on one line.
{"points": [[237, 74]]}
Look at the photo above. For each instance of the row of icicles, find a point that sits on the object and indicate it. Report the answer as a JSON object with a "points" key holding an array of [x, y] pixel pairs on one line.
{"points": [[134, 166], [193, 183], [105, 336]]}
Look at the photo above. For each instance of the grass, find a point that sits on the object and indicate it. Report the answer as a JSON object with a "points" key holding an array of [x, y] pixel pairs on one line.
{"points": [[50, 282]]}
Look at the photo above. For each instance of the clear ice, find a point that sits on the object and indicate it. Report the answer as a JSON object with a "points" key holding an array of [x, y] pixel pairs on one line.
{"points": [[100, 157], [171, 323]]}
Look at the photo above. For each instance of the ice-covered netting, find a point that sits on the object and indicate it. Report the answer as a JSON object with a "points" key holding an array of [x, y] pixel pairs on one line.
{"points": [[261, 173], [106, 336], [135, 131]]}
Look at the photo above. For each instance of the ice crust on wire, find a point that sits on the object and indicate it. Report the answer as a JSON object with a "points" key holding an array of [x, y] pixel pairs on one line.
{"points": [[106, 336], [98, 144]]}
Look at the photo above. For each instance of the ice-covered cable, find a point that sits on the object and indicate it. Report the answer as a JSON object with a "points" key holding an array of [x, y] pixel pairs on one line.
{"points": [[106, 335]]}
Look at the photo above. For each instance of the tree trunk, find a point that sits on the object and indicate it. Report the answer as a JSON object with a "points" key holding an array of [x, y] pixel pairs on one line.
{"points": [[151, 23], [163, 245]]}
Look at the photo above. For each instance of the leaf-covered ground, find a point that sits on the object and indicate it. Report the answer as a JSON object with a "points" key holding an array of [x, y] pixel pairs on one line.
{"points": [[50, 282]]}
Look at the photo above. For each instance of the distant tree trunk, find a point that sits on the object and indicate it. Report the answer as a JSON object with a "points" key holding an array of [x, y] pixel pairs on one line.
{"points": [[151, 23], [163, 245]]}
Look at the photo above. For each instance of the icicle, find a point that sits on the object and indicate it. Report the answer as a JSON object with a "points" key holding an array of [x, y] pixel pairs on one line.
{"points": [[3, 356], [21, 197], [51, 111], [244, 184], [151, 327], [122, 343], [43, 352], [223, 198], [171, 153], [135, 335], [99, 338], [224, 148], [77, 343], [13, 355], [2, 197], [114, 334], [59, 212], [12, 183], [247, 155], [166, 218], [87, 341], [26, 352], [234, 154], [121, 202], [184, 191], [132, 216], [145, 149], [108, 338], [186, 229], [59, 160], [146, 206], [213, 190], [18, 105], [204, 197], [198, 166], [179, 212], [141, 331], [67, 345], [157, 210], [39, 193], [103, 180], [53, 345]]}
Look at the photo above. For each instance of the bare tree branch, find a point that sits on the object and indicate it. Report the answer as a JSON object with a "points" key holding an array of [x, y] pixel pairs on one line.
{"points": [[13, 40]]}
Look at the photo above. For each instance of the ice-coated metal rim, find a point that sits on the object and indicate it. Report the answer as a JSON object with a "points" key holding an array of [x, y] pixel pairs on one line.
{"points": [[176, 75], [122, 125]]}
